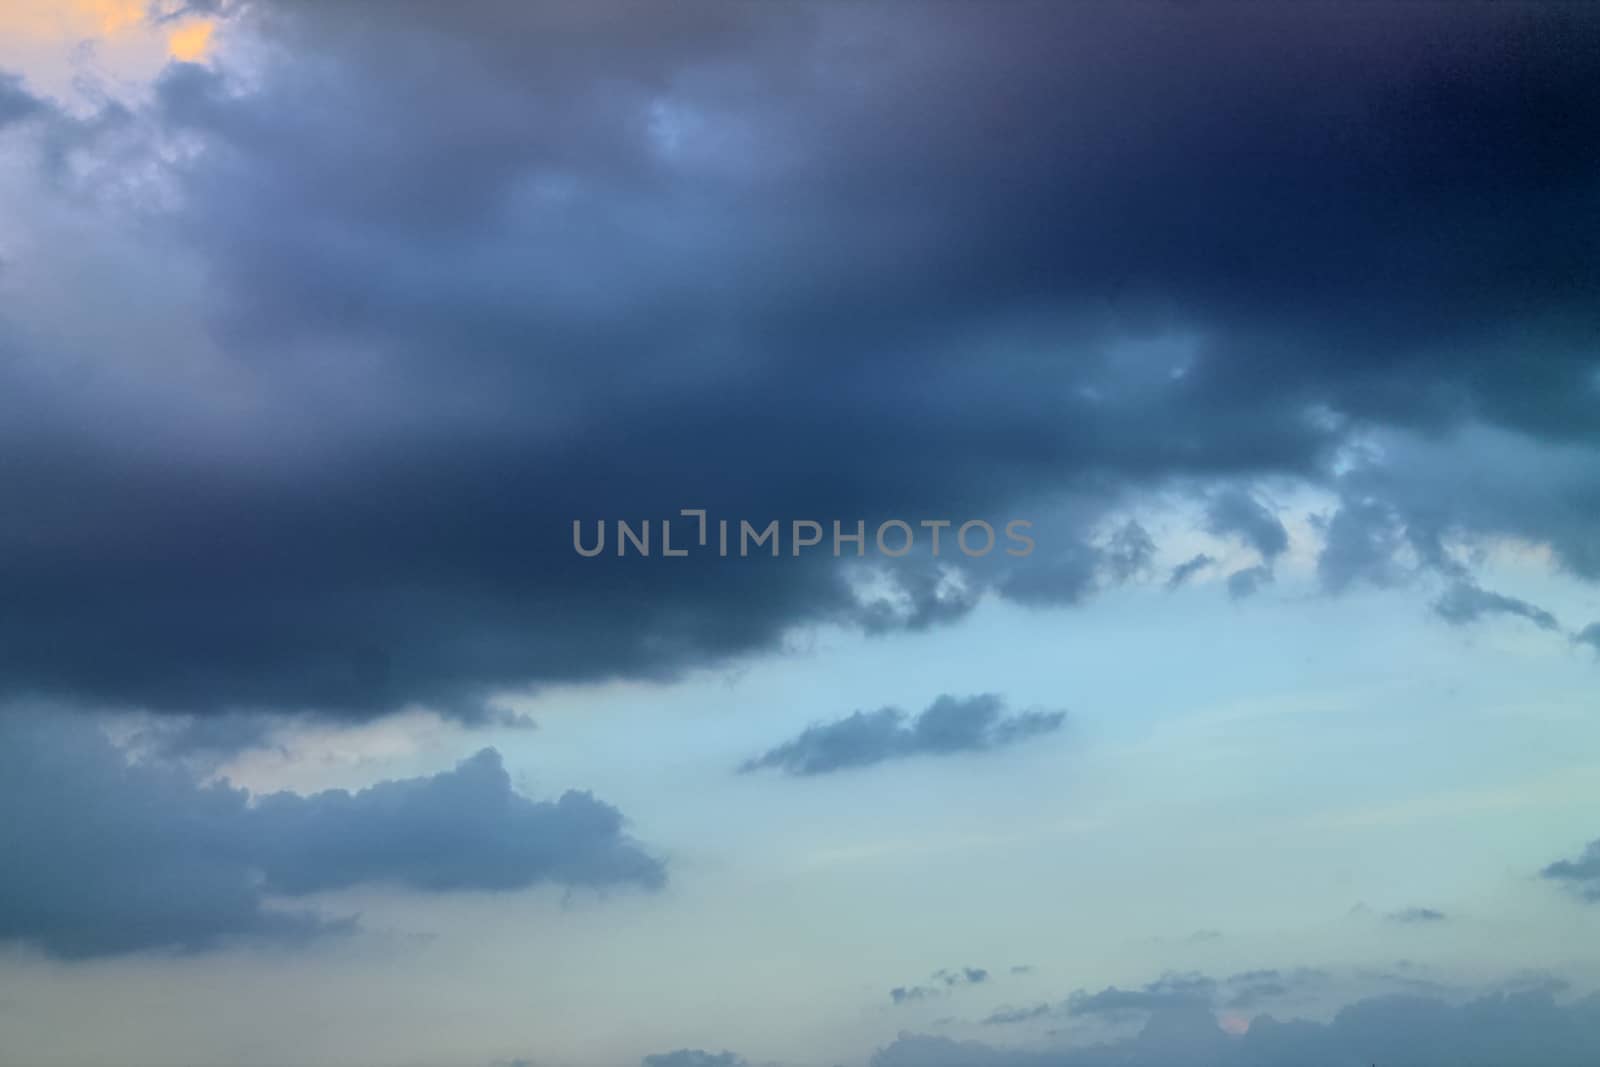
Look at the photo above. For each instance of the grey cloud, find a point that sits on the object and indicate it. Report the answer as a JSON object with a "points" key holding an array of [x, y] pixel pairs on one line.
{"points": [[463, 829], [116, 857], [692, 1057], [1491, 1031], [1466, 603], [1247, 582], [1582, 875], [945, 979], [1238, 513], [1589, 635], [1009, 1016], [1168, 991], [964, 976], [1188, 569], [949, 725], [1415, 916], [1189, 992], [1128, 552], [205, 738], [1058, 573], [16, 103], [1363, 538]]}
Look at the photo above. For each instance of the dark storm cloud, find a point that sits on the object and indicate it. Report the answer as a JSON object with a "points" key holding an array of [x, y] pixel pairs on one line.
{"points": [[1582, 875], [105, 857], [1527, 1027], [947, 726], [475, 271], [1466, 603]]}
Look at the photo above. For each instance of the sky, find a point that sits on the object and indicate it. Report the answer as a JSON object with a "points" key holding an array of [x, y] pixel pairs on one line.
{"points": [[1260, 339]]}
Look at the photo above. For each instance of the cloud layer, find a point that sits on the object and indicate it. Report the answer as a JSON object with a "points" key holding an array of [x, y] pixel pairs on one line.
{"points": [[1528, 1027]]}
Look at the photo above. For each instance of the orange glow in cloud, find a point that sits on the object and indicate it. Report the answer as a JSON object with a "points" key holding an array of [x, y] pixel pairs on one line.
{"points": [[48, 19], [113, 16], [190, 41], [1236, 1025]]}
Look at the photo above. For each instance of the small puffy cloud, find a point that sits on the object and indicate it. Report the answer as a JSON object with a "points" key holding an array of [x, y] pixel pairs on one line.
{"points": [[1415, 916], [943, 980], [1466, 603], [949, 725], [1248, 582], [1582, 875], [1188, 569]]}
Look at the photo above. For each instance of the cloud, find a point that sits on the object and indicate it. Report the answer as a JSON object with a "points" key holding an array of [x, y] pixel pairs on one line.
{"points": [[1582, 875], [16, 103], [1362, 540], [1171, 990], [1186, 991], [1247, 582], [1188, 569], [1589, 635], [1129, 551], [1009, 1016], [1465, 603], [1237, 513], [947, 726], [611, 262], [116, 856], [1416, 916], [945, 979], [692, 1057], [1525, 1027]]}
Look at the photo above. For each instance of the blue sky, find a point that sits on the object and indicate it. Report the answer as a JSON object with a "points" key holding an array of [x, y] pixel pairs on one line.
{"points": [[321, 324]]}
